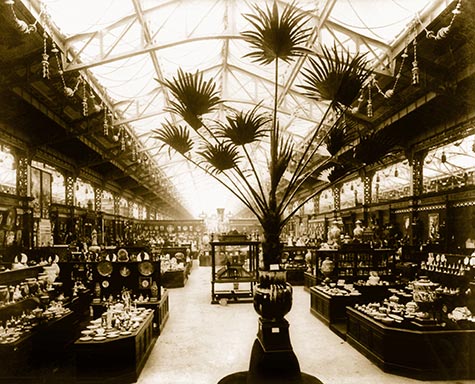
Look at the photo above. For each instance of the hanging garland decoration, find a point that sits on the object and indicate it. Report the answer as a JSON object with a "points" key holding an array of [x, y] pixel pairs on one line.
{"points": [[85, 107], [369, 107], [118, 135], [415, 71], [105, 124], [45, 57], [415, 65], [444, 31], [22, 25]]}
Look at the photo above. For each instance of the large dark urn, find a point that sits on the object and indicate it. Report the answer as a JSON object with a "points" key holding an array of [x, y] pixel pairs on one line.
{"points": [[272, 358], [272, 296]]}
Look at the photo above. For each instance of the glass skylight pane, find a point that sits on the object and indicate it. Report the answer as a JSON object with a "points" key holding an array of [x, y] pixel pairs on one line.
{"points": [[74, 17]]}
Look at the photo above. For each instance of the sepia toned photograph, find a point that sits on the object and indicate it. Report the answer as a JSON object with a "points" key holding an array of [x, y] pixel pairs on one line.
{"points": [[237, 192]]}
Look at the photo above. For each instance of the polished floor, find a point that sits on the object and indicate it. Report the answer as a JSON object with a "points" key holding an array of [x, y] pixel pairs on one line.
{"points": [[203, 342]]}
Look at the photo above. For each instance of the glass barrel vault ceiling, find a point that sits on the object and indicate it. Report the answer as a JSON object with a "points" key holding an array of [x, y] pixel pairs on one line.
{"points": [[126, 44]]}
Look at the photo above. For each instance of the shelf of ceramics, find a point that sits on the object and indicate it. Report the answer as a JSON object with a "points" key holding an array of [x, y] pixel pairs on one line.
{"points": [[14, 276]]}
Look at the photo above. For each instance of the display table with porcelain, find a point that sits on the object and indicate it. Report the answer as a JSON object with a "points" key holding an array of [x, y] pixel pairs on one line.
{"points": [[427, 353], [115, 354]]}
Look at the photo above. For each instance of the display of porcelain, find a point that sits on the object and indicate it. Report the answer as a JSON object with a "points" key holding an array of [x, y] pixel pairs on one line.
{"points": [[424, 290], [327, 267], [358, 231], [334, 234], [52, 272], [4, 294]]}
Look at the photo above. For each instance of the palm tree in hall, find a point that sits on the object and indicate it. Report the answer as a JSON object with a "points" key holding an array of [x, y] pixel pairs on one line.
{"points": [[223, 149]]}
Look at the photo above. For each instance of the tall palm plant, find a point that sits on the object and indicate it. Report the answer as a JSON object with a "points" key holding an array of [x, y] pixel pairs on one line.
{"points": [[224, 148]]}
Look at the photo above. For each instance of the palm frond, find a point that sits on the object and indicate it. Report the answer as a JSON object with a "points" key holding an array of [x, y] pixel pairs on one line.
{"points": [[195, 96], [341, 134], [277, 36], [284, 156], [375, 146], [339, 171], [244, 127], [220, 157], [176, 137], [335, 77]]}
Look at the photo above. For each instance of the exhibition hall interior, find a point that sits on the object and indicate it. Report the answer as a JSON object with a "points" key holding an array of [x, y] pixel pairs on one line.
{"points": [[237, 192]]}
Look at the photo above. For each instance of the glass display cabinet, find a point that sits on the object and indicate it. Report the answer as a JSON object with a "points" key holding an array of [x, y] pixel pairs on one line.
{"points": [[234, 270], [294, 263]]}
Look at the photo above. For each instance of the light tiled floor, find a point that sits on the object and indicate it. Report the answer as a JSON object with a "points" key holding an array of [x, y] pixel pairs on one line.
{"points": [[203, 342]]}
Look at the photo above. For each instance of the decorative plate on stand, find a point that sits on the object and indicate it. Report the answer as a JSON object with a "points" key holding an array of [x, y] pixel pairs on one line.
{"points": [[104, 268], [124, 271], [145, 268], [122, 255], [145, 282]]}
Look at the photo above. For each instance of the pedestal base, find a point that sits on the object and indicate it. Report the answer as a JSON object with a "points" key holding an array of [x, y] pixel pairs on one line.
{"points": [[241, 378], [273, 360]]}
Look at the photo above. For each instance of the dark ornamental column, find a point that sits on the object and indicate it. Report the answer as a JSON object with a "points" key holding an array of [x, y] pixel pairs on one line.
{"points": [[116, 205], [367, 188], [69, 181], [98, 192], [417, 164], [316, 205], [336, 197], [22, 163]]}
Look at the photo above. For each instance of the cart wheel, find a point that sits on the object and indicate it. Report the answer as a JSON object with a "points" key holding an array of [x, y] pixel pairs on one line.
{"points": [[223, 301]]}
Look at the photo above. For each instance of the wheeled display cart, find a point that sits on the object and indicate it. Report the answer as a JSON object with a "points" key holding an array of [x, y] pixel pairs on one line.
{"points": [[234, 269]]}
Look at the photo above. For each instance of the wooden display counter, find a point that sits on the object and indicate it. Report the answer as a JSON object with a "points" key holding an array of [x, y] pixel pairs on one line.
{"points": [[421, 354], [205, 259], [45, 342], [331, 310], [309, 280], [174, 279], [295, 276], [117, 360]]}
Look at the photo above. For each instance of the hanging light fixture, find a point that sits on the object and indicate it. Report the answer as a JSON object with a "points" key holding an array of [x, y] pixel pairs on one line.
{"points": [[390, 92]]}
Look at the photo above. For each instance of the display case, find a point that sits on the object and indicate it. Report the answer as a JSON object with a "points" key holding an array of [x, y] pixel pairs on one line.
{"points": [[427, 335], [107, 279], [355, 262], [234, 269], [294, 263], [176, 265], [310, 274]]}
